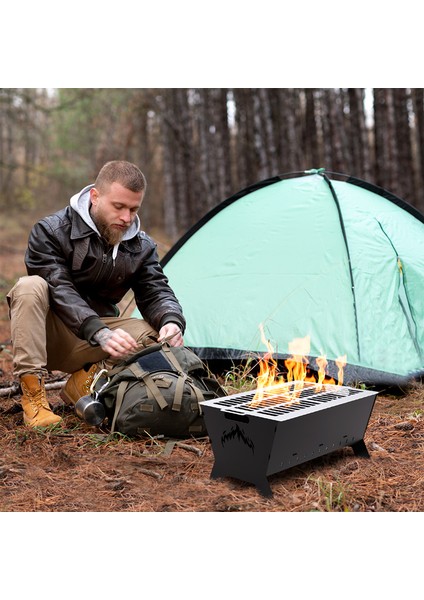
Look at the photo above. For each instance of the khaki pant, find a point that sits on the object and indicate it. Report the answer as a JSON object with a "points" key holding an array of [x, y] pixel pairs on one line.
{"points": [[42, 342]]}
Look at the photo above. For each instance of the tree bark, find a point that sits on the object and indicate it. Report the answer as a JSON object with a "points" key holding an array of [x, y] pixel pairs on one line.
{"points": [[405, 166], [361, 159], [310, 133], [418, 110]]}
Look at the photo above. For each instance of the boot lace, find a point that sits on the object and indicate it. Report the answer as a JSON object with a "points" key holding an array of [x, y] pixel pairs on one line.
{"points": [[38, 399]]}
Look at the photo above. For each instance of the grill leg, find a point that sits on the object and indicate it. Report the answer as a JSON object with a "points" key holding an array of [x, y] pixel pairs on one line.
{"points": [[216, 473], [359, 449], [264, 488]]}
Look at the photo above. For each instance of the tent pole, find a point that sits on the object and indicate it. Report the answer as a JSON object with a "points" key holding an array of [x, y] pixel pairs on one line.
{"points": [[352, 283]]}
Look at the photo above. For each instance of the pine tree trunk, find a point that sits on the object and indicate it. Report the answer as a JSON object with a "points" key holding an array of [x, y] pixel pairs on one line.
{"points": [[222, 144], [406, 174], [310, 134], [361, 159], [268, 134], [327, 132], [292, 110], [246, 167], [204, 187], [169, 169], [385, 136], [259, 132], [418, 108], [187, 210]]}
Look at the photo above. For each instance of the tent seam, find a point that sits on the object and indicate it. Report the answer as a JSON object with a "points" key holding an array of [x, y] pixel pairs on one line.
{"points": [[336, 200]]}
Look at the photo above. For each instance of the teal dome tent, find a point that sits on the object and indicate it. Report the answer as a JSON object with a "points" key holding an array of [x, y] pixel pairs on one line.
{"points": [[313, 254]]}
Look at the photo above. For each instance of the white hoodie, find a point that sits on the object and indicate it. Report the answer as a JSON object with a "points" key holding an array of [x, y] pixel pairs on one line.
{"points": [[81, 204]]}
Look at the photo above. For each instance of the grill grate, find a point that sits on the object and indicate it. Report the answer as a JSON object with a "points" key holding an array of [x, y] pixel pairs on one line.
{"points": [[286, 400]]}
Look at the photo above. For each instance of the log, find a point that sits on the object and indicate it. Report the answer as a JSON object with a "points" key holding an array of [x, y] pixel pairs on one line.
{"points": [[15, 390]]}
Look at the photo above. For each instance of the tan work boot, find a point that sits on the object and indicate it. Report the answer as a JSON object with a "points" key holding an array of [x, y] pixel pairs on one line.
{"points": [[78, 385], [37, 411]]}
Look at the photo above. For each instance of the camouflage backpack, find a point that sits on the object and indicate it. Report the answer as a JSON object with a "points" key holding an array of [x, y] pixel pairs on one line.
{"points": [[158, 391]]}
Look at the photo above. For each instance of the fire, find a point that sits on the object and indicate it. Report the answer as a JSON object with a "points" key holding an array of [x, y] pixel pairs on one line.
{"points": [[299, 348], [267, 370], [322, 364], [341, 363], [297, 371]]}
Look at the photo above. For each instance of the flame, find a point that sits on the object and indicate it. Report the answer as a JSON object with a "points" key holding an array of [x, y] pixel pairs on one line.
{"points": [[341, 363], [297, 370], [296, 365], [299, 348], [322, 365], [267, 370]]}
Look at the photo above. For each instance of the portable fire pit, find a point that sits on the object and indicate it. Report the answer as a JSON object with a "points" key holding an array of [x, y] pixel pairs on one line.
{"points": [[290, 425]]}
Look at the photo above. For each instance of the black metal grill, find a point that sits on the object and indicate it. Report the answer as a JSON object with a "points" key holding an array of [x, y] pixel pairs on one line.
{"points": [[291, 424]]}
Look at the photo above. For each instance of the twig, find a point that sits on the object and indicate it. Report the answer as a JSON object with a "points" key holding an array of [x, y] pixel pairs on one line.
{"points": [[374, 446], [149, 472], [189, 448], [10, 391], [14, 389]]}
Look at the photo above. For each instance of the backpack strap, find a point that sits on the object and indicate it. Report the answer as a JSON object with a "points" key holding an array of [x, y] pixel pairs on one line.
{"points": [[198, 393], [116, 369], [172, 358], [150, 384], [179, 391], [119, 399], [182, 377]]}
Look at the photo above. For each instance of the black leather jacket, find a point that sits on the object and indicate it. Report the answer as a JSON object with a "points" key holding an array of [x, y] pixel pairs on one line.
{"points": [[86, 284]]}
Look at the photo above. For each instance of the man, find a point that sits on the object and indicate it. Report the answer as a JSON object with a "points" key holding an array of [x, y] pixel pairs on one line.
{"points": [[81, 261]]}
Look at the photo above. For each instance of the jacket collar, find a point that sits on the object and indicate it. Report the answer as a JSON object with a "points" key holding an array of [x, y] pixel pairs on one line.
{"points": [[79, 228]]}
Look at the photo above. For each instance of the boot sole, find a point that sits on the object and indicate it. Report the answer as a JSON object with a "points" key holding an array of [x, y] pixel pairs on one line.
{"points": [[28, 423]]}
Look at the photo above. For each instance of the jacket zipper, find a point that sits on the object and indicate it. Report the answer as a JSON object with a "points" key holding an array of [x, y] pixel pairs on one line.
{"points": [[104, 269]]}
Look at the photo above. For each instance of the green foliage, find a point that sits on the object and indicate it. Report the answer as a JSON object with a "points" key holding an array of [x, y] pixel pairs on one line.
{"points": [[25, 198], [240, 378], [90, 127]]}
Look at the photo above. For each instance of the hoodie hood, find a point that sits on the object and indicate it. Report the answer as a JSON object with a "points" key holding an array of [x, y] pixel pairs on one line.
{"points": [[81, 204]]}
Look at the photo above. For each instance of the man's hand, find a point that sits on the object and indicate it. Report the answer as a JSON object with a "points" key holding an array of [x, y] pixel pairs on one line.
{"points": [[172, 333], [118, 343]]}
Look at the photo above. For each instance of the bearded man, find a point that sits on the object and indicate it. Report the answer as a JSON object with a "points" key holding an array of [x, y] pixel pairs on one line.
{"points": [[81, 261]]}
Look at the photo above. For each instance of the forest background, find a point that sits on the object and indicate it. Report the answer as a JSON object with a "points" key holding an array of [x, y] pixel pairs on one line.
{"points": [[198, 146]]}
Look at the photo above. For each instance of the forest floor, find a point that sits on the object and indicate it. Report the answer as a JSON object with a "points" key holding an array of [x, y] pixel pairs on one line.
{"points": [[76, 468]]}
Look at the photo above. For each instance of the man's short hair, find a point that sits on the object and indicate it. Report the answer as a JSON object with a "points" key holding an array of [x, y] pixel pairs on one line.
{"points": [[123, 172]]}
